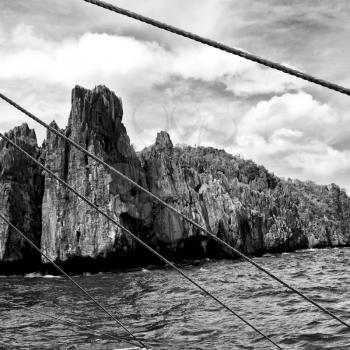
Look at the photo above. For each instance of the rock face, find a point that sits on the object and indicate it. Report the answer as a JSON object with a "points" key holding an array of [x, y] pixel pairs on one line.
{"points": [[237, 200], [71, 228], [21, 190], [240, 202]]}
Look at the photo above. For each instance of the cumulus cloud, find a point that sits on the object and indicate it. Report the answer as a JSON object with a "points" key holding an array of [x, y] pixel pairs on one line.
{"points": [[290, 133], [324, 163], [298, 111], [94, 57]]}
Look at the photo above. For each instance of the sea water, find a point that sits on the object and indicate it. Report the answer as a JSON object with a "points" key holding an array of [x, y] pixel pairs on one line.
{"points": [[167, 312]]}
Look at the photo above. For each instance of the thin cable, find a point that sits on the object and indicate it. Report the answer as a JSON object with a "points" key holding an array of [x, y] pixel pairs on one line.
{"points": [[174, 210], [221, 47], [62, 320], [137, 239], [58, 268]]}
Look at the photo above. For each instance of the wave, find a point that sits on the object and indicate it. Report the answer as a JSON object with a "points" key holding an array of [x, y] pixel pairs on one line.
{"points": [[51, 276], [33, 275], [307, 250]]}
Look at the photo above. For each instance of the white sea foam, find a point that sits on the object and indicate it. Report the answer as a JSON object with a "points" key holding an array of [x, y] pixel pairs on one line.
{"points": [[33, 275], [51, 276]]}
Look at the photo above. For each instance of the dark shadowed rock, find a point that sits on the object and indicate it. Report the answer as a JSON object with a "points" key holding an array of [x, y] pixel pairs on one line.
{"points": [[71, 229], [21, 190]]}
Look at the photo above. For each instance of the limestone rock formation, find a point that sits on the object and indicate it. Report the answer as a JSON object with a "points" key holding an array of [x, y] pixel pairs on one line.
{"points": [[21, 190], [71, 228], [237, 200]]}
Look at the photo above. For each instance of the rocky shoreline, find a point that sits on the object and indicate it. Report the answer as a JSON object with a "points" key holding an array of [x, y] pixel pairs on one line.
{"points": [[238, 200]]}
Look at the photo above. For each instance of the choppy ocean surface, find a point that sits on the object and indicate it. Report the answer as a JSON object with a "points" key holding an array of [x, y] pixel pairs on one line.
{"points": [[167, 312]]}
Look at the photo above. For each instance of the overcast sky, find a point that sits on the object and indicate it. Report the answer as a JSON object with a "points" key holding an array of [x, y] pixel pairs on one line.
{"points": [[199, 95]]}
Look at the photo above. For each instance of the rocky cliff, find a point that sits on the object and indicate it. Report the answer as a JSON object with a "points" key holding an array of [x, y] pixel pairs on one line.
{"points": [[236, 199], [21, 188], [71, 229], [240, 202]]}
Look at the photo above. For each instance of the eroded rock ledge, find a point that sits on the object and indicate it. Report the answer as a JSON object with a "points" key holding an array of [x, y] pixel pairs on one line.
{"points": [[236, 199]]}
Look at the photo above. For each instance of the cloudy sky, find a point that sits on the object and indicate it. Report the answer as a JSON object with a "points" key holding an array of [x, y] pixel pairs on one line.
{"points": [[199, 95]]}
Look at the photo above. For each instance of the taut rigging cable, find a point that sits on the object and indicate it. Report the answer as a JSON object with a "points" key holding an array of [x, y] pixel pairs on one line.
{"points": [[137, 239], [222, 47], [176, 211]]}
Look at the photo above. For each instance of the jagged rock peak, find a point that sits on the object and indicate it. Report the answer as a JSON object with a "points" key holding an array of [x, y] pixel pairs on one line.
{"points": [[80, 91], [54, 125], [163, 140], [98, 109], [13, 162], [99, 94], [24, 133]]}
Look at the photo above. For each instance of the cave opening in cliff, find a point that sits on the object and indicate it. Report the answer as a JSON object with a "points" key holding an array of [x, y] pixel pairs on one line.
{"points": [[78, 235]]}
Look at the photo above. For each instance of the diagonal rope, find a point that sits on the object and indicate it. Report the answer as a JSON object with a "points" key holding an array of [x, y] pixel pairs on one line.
{"points": [[58, 268], [137, 239], [176, 211], [222, 47], [62, 320]]}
